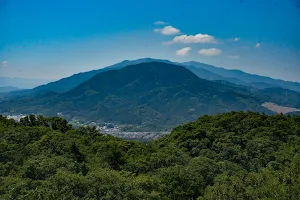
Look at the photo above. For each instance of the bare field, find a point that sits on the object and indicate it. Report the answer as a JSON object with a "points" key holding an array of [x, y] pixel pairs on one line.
{"points": [[279, 109]]}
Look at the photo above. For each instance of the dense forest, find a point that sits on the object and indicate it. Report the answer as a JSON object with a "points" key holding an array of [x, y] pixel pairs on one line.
{"points": [[236, 155]]}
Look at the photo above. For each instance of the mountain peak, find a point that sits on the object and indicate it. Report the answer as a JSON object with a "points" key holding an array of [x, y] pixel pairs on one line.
{"points": [[147, 59], [145, 73]]}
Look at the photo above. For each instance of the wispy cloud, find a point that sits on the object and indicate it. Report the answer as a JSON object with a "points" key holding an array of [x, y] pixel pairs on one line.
{"points": [[198, 38], [167, 30], [234, 56], [160, 23], [236, 39], [210, 52], [184, 51], [4, 63], [257, 45]]}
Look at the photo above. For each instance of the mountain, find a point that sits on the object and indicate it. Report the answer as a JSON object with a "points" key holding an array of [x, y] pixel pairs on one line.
{"points": [[242, 78], [203, 71], [24, 83], [8, 89], [153, 96], [71, 82]]}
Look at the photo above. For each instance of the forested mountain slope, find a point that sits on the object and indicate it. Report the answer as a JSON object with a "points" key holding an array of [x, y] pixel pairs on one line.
{"points": [[202, 70], [153, 96], [242, 78], [233, 155]]}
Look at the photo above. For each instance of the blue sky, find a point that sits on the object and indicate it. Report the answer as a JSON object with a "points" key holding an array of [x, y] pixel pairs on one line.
{"points": [[52, 39]]}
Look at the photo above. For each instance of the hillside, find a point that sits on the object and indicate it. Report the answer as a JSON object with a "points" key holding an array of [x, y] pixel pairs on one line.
{"points": [[151, 96], [241, 78], [203, 71], [233, 155], [71, 82]]}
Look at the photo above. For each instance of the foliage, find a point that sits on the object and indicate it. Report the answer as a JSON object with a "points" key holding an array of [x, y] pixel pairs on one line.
{"points": [[233, 155]]}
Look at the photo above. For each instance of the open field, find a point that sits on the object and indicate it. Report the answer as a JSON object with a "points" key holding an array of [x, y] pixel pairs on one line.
{"points": [[279, 109]]}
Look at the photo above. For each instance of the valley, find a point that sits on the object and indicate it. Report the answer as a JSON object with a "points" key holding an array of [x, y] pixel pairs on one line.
{"points": [[127, 132]]}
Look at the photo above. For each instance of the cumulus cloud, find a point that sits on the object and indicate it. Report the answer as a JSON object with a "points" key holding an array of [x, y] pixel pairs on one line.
{"points": [[160, 23], [167, 30], [184, 51], [236, 39], [257, 45], [210, 52], [198, 38], [4, 63], [234, 56]]}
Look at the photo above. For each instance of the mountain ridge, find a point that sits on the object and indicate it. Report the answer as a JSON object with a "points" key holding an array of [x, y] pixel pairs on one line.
{"points": [[152, 95], [203, 71], [247, 78]]}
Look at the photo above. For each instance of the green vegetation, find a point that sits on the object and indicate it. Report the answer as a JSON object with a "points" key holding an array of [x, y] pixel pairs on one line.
{"points": [[203, 71], [233, 155], [152, 96]]}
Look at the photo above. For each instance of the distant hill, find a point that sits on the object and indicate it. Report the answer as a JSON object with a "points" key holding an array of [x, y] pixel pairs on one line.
{"points": [[242, 78], [24, 83], [8, 89], [71, 82], [153, 96], [203, 71], [282, 97]]}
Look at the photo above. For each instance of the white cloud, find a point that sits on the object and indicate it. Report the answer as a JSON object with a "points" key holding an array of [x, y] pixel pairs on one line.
{"points": [[4, 63], [160, 23], [234, 56], [236, 39], [198, 38], [210, 52], [257, 45], [184, 51], [167, 30]]}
